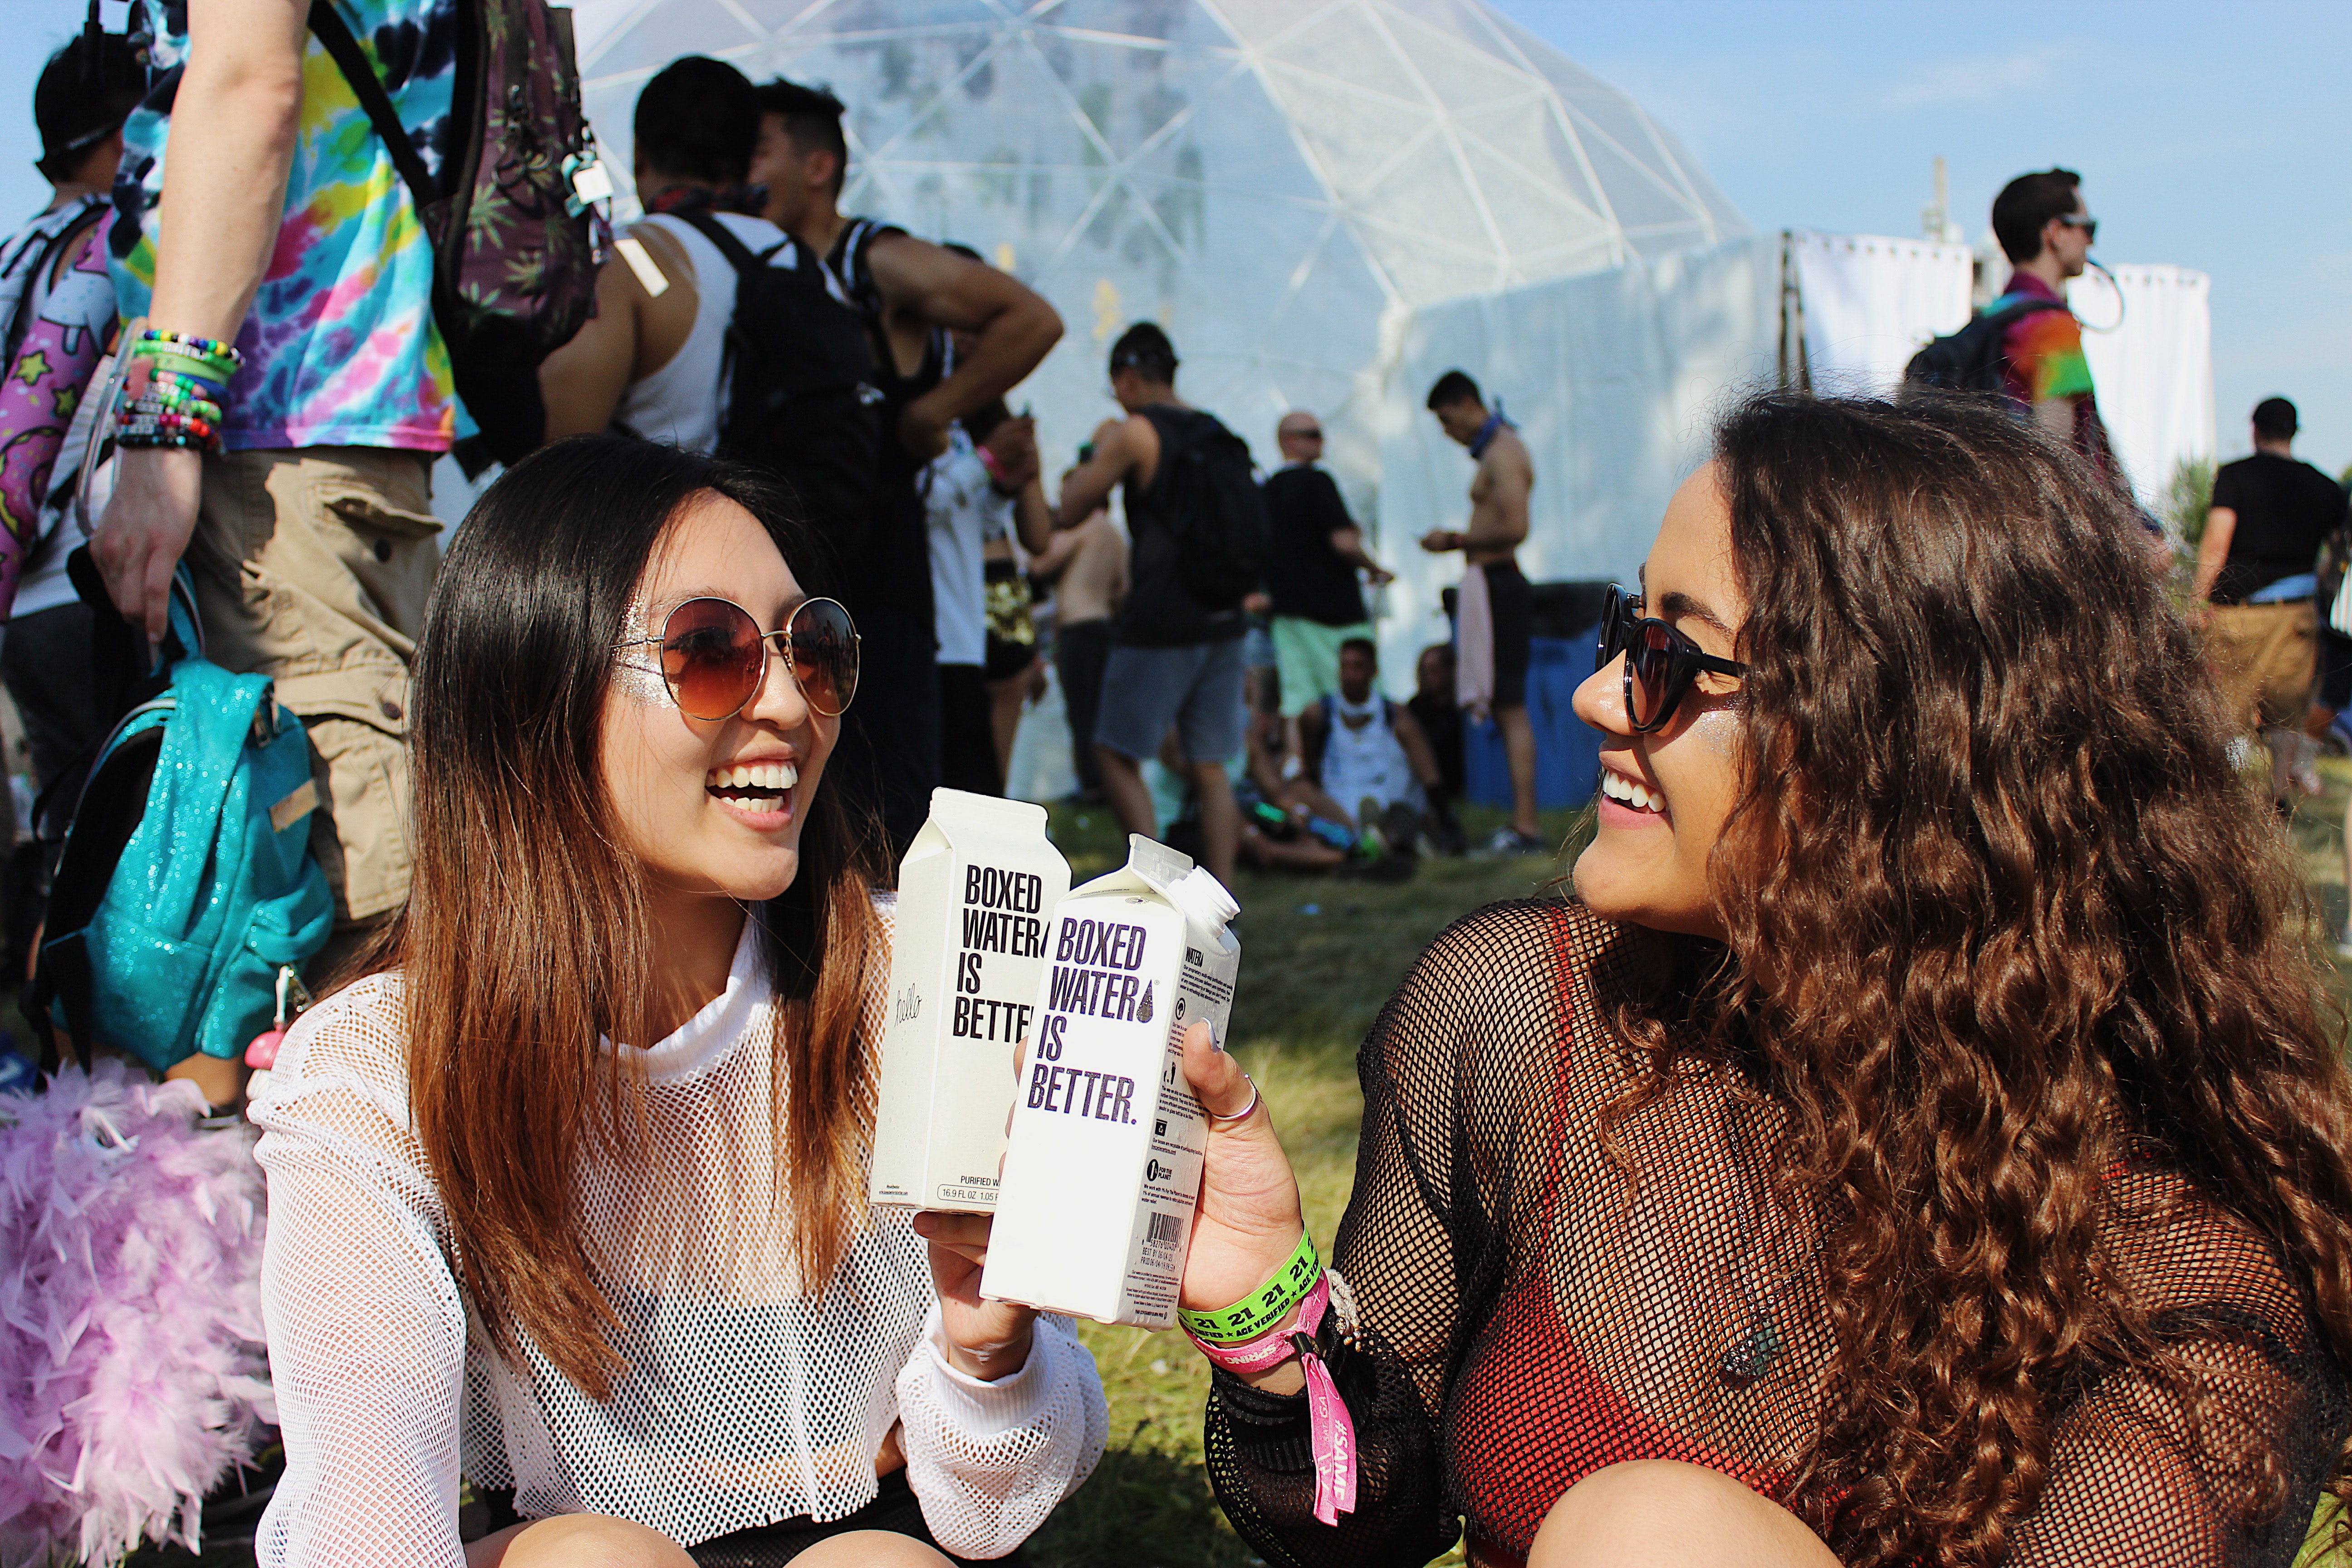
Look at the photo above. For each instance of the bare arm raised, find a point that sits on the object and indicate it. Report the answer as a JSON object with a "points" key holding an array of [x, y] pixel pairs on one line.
{"points": [[231, 141], [1013, 327], [1122, 448]]}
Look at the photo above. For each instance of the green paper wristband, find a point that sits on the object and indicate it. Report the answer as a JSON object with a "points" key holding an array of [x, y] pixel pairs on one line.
{"points": [[1263, 1308], [218, 371]]}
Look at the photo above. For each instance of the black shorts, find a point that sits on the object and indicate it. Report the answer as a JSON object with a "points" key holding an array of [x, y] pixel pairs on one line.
{"points": [[1006, 658], [2334, 668], [1511, 600]]}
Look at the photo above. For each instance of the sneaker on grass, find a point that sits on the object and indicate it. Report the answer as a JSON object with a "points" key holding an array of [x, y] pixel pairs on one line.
{"points": [[1508, 840]]}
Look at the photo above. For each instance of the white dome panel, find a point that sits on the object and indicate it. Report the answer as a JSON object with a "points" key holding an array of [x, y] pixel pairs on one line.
{"points": [[1270, 179]]}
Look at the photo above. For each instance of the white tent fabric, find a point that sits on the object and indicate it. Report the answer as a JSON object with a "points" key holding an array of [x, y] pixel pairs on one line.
{"points": [[1612, 378], [2154, 373], [1870, 302], [1268, 179]]}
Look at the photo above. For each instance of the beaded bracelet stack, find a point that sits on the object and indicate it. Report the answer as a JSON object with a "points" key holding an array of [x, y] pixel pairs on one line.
{"points": [[180, 402]]}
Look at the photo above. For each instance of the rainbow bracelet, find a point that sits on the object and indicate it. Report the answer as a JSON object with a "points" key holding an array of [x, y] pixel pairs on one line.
{"points": [[191, 345], [203, 359]]}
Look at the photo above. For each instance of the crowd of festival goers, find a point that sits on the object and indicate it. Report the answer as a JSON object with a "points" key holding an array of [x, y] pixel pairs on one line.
{"points": [[1922, 1135]]}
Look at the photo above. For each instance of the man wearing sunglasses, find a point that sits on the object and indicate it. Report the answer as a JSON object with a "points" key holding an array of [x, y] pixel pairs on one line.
{"points": [[2046, 232], [1313, 555]]}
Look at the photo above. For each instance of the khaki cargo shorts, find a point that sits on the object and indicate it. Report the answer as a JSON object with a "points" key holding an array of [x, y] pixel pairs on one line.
{"points": [[2266, 658], [312, 567]]}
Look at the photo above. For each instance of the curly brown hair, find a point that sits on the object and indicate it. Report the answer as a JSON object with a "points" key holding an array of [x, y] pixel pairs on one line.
{"points": [[2002, 921]]}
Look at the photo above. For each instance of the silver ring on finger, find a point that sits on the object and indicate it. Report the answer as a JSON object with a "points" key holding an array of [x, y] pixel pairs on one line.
{"points": [[1241, 1115]]}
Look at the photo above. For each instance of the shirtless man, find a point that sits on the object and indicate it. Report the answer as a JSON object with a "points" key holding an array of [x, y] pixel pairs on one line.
{"points": [[1498, 524], [1088, 566]]}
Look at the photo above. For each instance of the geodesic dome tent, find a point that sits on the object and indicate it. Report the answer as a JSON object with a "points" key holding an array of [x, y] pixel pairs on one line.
{"points": [[1271, 180]]}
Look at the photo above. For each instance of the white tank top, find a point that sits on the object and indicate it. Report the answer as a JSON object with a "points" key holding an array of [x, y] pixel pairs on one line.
{"points": [[1365, 760], [683, 402]]}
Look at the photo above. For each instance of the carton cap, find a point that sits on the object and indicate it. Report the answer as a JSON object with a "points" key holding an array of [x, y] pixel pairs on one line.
{"points": [[1202, 898]]}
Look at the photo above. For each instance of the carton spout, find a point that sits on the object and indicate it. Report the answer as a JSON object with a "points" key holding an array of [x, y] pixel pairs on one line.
{"points": [[1202, 898], [1156, 863]]}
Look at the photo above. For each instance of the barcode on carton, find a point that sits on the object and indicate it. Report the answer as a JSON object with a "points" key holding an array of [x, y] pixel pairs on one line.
{"points": [[1166, 1230]]}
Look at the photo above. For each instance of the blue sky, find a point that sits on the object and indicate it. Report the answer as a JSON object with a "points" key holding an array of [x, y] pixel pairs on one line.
{"points": [[2217, 137], [2213, 137]]}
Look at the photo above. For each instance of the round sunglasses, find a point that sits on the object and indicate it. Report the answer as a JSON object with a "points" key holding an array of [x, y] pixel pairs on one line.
{"points": [[1660, 662], [714, 656]]}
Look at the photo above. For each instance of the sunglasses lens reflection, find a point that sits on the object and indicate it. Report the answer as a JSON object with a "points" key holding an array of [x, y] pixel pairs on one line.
{"points": [[1652, 666], [824, 655], [711, 657]]}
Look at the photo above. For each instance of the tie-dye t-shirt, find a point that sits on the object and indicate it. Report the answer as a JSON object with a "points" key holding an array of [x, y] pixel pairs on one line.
{"points": [[340, 348], [2043, 358]]}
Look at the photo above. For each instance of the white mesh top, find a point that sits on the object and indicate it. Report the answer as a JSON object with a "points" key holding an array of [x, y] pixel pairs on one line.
{"points": [[744, 1402]]}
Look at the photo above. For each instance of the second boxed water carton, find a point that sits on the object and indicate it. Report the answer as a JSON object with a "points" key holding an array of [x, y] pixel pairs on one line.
{"points": [[1103, 1169], [975, 893]]}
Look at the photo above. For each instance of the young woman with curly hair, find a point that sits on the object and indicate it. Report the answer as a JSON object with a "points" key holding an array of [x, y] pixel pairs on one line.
{"points": [[1921, 1140], [568, 1192]]}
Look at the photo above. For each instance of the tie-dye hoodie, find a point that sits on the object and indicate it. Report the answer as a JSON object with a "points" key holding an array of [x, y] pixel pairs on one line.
{"points": [[340, 349]]}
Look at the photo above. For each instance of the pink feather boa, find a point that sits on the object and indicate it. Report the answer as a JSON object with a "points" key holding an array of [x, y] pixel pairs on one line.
{"points": [[131, 1370]]}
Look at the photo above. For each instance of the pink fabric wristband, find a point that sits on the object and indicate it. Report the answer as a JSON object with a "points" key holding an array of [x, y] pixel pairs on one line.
{"points": [[1332, 1429]]}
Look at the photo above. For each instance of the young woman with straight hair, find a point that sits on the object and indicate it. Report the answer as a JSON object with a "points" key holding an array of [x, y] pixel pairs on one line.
{"points": [[635, 1284], [1920, 1141]]}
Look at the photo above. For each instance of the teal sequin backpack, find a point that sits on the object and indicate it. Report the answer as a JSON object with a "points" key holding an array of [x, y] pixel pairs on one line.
{"points": [[186, 887]]}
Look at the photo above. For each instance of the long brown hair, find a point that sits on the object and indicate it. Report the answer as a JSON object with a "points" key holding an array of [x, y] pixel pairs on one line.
{"points": [[2002, 919], [525, 935]]}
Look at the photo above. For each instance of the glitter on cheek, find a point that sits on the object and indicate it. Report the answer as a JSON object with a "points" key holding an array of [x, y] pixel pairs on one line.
{"points": [[636, 669], [1719, 728], [640, 681]]}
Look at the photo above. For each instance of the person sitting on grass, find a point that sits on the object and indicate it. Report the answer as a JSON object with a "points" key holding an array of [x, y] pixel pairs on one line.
{"points": [[633, 1286], [1281, 829], [1919, 1141], [1367, 761]]}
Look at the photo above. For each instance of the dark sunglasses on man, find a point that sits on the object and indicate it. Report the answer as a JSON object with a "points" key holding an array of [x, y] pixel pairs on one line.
{"points": [[2086, 222], [1660, 662]]}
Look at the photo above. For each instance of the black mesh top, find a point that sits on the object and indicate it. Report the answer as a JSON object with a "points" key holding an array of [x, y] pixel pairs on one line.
{"points": [[1527, 1317]]}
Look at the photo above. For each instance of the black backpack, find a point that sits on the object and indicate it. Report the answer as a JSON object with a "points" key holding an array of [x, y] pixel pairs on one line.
{"points": [[513, 217], [1971, 360], [1213, 511], [803, 398]]}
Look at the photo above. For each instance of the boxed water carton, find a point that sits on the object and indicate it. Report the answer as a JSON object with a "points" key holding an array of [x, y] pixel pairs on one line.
{"points": [[1103, 1168], [975, 891]]}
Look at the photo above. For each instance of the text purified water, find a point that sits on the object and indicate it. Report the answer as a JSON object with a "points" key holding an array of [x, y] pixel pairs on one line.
{"points": [[975, 891], [1104, 1166]]}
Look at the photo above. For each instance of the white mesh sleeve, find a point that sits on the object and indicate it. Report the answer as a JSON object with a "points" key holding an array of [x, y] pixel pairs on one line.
{"points": [[367, 1328], [989, 1460]]}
